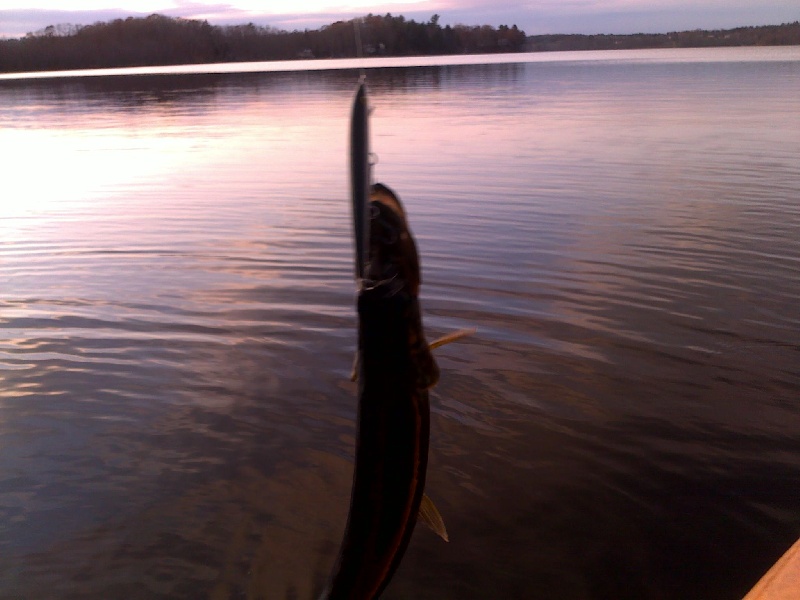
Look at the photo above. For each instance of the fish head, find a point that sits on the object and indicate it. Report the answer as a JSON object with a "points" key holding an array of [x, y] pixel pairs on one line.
{"points": [[393, 257]]}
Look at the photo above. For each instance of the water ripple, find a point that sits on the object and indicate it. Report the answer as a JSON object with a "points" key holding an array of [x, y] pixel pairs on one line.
{"points": [[176, 418]]}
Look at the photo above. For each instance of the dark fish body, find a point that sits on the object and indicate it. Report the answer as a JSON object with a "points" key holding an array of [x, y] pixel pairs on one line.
{"points": [[391, 454], [396, 369]]}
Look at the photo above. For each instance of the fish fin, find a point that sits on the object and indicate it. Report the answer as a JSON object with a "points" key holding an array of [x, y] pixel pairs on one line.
{"points": [[354, 372], [431, 517], [451, 337]]}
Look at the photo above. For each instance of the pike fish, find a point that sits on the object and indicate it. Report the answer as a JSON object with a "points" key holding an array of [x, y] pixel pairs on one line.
{"points": [[394, 368]]}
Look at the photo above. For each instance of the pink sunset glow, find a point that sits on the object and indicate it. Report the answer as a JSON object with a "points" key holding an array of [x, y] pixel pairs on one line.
{"points": [[548, 16]]}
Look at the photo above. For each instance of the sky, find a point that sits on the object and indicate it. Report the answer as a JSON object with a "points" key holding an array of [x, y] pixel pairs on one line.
{"points": [[17, 17]]}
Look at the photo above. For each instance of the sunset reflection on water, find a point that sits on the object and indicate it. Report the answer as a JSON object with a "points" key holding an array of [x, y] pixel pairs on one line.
{"points": [[113, 143]]}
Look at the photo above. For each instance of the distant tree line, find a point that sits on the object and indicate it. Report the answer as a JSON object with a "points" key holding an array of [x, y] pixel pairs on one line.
{"points": [[769, 35], [160, 40]]}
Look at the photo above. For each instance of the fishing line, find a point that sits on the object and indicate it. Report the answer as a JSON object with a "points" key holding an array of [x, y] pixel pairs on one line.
{"points": [[359, 49], [362, 78]]}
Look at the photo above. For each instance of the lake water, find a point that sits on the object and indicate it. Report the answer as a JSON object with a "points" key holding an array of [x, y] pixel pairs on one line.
{"points": [[177, 305]]}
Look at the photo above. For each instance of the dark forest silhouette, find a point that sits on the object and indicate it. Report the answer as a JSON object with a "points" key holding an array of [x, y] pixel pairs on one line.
{"points": [[160, 40], [787, 34]]}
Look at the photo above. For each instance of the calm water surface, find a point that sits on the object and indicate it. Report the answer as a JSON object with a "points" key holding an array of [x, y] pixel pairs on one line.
{"points": [[176, 300]]}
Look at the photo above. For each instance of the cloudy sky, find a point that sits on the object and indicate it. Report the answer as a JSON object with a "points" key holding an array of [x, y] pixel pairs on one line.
{"points": [[18, 17]]}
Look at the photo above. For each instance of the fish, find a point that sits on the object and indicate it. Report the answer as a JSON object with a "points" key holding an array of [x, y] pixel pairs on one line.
{"points": [[394, 368], [395, 371]]}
